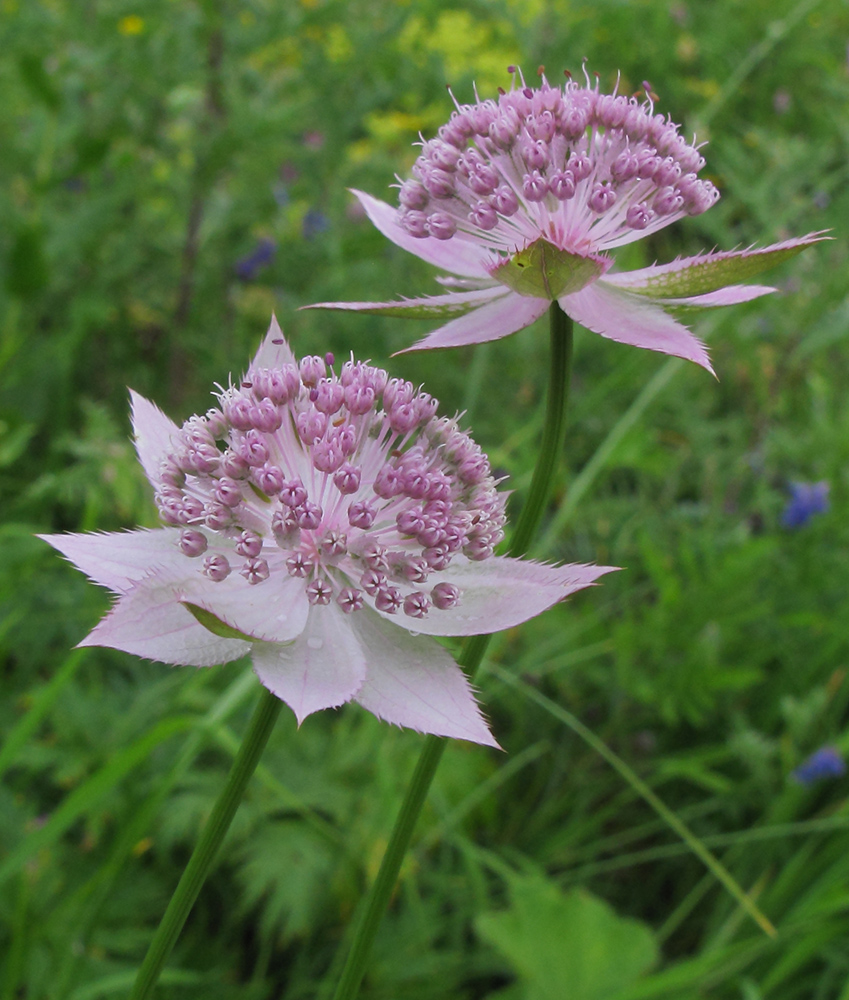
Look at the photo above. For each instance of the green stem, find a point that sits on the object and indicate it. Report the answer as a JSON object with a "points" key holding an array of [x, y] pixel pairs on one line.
{"points": [[259, 729], [470, 657], [553, 432]]}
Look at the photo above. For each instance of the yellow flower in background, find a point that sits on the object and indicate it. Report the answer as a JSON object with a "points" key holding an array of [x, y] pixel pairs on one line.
{"points": [[132, 24]]}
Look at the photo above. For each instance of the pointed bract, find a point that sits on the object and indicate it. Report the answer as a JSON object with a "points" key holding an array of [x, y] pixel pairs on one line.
{"points": [[148, 622], [456, 256], [631, 319], [413, 682], [426, 307], [274, 351], [153, 433], [709, 272], [492, 321], [501, 592], [120, 559], [323, 668], [728, 296]]}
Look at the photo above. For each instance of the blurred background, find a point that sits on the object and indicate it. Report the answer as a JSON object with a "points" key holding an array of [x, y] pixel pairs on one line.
{"points": [[173, 172]]}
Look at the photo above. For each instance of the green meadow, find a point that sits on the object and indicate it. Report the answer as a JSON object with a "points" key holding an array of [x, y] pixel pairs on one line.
{"points": [[172, 173]]}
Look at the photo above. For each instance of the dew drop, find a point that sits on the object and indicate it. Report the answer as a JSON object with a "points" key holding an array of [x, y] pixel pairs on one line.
{"points": [[314, 642]]}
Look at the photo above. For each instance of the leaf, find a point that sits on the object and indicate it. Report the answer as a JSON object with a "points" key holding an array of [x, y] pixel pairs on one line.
{"points": [[212, 623], [41, 702], [567, 946], [90, 792]]}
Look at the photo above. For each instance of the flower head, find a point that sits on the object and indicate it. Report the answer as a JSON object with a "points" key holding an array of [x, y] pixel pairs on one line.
{"points": [[522, 197], [806, 500], [330, 524], [827, 762], [248, 268]]}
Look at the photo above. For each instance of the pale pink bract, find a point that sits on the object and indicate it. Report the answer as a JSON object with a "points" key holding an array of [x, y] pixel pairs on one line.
{"points": [[521, 197], [330, 524]]}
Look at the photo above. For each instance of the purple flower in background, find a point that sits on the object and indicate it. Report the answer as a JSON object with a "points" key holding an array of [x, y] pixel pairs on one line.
{"points": [[825, 763], [329, 525], [315, 222], [247, 268], [806, 500], [522, 197]]}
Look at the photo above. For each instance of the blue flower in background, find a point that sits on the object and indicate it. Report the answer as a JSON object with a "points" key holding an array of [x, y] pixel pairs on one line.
{"points": [[315, 222], [247, 268], [823, 764], [806, 499]]}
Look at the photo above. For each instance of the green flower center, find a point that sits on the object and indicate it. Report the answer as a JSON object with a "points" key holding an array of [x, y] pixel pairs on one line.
{"points": [[541, 271]]}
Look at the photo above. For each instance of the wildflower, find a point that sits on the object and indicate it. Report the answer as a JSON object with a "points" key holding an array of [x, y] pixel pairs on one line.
{"points": [[806, 500], [247, 268], [315, 223], [329, 524], [825, 763], [521, 198]]}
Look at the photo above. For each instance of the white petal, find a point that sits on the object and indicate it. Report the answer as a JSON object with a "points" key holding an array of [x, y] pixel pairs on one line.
{"points": [[323, 668], [633, 319], [273, 611], [426, 307], [456, 255], [119, 559], [728, 296], [149, 622], [412, 681], [498, 593], [499, 318], [153, 433], [274, 352]]}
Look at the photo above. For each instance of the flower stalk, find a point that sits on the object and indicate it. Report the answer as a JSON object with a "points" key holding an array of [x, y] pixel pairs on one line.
{"points": [[470, 658], [196, 871]]}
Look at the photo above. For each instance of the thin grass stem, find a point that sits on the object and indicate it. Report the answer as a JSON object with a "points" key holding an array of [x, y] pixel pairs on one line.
{"points": [[719, 871]]}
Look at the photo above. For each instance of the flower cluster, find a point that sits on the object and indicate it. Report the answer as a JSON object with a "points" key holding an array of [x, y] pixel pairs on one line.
{"points": [[364, 491], [522, 197], [581, 167], [307, 516]]}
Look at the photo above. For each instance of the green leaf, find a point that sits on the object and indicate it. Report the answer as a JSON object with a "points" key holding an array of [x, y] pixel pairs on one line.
{"points": [[27, 272], [214, 624], [567, 946], [41, 702], [84, 798]]}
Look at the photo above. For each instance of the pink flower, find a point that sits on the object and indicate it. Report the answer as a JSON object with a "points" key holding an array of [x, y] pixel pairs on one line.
{"points": [[521, 198], [329, 525]]}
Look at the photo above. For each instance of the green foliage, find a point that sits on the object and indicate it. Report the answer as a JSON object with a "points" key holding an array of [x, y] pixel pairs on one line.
{"points": [[566, 946], [147, 151]]}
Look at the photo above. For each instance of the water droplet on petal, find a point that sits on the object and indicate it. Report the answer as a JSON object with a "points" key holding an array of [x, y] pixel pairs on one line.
{"points": [[314, 642]]}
